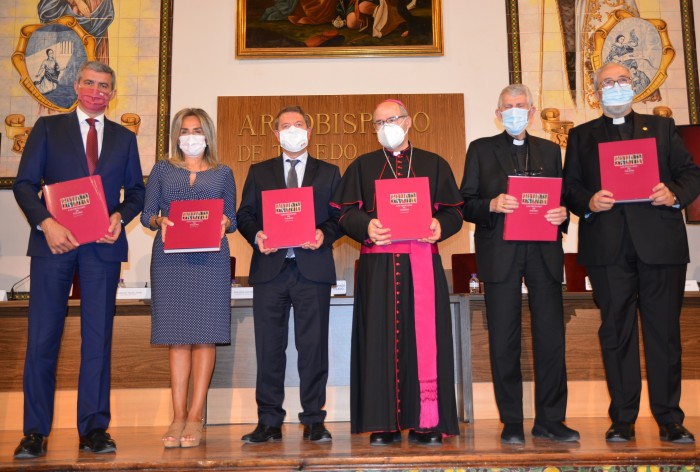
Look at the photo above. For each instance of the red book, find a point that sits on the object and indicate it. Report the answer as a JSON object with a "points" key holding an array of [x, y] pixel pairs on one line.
{"points": [[629, 169], [80, 206], [536, 196], [197, 226], [289, 218], [403, 205]]}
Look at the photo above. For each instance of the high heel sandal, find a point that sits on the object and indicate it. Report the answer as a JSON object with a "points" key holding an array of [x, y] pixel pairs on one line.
{"points": [[171, 438], [192, 429]]}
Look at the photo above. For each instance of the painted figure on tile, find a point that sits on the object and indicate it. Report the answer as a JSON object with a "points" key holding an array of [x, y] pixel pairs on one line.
{"points": [[47, 74], [95, 16]]}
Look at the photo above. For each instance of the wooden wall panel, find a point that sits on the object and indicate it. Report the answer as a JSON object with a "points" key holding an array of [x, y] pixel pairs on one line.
{"points": [[342, 130], [135, 363]]}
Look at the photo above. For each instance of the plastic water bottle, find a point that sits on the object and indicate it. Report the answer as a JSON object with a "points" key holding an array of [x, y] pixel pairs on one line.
{"points": [[473, 284]]}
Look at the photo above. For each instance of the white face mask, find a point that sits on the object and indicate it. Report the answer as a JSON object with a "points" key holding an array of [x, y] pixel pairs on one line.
{"points": [[294, 139], [193, 145], [391, 136]]}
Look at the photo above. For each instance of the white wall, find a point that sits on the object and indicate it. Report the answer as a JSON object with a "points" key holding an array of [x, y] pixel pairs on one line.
{"points": [[204, 67]]}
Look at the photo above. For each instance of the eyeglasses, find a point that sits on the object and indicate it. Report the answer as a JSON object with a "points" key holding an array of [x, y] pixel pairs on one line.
{"points": [[610, 83], [391, 121]]}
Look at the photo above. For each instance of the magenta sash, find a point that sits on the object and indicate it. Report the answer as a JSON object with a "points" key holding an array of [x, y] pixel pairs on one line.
{"points": [[423, 278]]}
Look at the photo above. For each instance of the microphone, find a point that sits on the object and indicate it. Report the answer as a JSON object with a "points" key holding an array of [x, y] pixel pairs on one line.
{"points": [[12, 289]]}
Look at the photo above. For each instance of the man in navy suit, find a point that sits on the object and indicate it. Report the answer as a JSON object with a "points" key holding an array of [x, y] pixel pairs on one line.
{"points": [[301, 278], [636, 255], [504, 264], [57, 150]]}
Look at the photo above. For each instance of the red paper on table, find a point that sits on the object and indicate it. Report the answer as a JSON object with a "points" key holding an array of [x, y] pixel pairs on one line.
{"points": [[536, 196], [289, 218], [629, 169], [197, 226], [403, 206], [80, 206]]}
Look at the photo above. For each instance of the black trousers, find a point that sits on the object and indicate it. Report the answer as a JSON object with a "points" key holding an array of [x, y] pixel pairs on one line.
{"points": [[619, 289], [271, 306], [504, 317]]}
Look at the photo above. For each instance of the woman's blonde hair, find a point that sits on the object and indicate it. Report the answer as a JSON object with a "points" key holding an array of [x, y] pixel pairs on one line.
{"points": [[211, 156]]}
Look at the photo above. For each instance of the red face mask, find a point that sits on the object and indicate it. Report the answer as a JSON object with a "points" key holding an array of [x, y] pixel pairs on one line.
{"points": [[92, 100]]}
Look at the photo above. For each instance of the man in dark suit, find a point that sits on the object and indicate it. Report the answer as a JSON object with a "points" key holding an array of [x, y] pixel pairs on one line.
{"points": [[636, 256], [61, 148], [504, 264], [300, 277]]}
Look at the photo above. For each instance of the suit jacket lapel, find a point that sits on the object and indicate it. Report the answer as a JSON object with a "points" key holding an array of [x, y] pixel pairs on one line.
{"points": [[641, 127], [107, 144], [310, 172], [534, 156], [600, 135], [278, 170], [503, 155], [76, 139]]}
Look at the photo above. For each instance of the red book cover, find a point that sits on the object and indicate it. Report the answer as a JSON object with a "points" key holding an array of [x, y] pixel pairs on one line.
{"points": [[197, 226], [80, 206], [536, 196], [629, 169], [289, 218], [403, 205]]}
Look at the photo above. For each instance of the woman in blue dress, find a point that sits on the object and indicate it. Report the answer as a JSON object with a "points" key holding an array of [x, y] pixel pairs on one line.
{"points": [[191, 292]]}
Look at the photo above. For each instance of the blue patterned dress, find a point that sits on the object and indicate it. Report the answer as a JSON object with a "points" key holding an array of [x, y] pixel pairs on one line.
{"points": [[190, 292]]}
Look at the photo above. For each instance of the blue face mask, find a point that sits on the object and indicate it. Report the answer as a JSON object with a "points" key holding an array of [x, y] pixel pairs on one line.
{"points": [[616, 95], [515, 120]]}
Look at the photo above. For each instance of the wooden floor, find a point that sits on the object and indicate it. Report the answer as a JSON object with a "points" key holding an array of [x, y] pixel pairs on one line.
{"points": [[477, 447]]}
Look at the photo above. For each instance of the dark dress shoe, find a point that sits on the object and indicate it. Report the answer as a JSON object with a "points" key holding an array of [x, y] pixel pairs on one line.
{"points": [[31, 446], [620, 432], [431, 438], [317, 432], [513, 433], [98, 441], [263, 433], [384, 439], [675, 433], [554, 430]]}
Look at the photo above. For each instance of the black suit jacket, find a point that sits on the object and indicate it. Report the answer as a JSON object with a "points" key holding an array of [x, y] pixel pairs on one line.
{"points": [[317, 265], [486, 171], [658, 233], [55, 153]]}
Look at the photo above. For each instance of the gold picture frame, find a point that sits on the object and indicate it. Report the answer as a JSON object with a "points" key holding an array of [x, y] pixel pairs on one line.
{"points": [[403, 28]]}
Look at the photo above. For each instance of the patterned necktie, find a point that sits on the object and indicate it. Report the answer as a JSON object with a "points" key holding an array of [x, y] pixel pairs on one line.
{"points": [[292, 179], [91, 146], [292, 182]]}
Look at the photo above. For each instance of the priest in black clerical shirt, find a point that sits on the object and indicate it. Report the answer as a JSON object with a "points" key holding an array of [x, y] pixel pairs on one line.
{"points": [[636, 256], [504, 264]]}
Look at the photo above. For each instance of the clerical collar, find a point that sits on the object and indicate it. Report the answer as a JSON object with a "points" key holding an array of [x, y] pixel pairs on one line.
{"points": [[620, 120], [399, 154], [515, 141]]}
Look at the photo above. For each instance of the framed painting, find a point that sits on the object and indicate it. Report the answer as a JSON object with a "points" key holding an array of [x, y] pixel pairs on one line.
{"points": [[338, 28], [52, 38]]}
